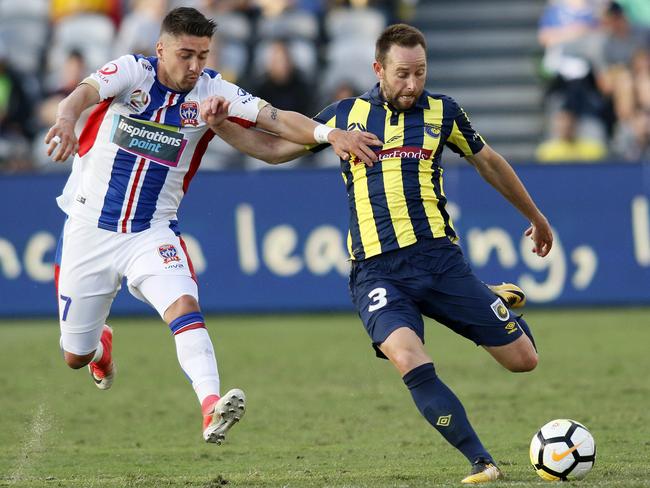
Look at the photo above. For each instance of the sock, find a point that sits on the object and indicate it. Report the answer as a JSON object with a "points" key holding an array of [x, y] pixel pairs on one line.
{"points": [[524, 326], [443, 411], [196, 357], [99, 352]]}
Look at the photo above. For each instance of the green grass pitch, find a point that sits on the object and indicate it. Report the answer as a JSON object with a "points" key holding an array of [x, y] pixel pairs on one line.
{"points": [[322, 411]]}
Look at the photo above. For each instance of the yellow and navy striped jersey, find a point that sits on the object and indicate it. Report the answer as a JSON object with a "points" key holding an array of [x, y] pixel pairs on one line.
{"points": [[401, 198]]}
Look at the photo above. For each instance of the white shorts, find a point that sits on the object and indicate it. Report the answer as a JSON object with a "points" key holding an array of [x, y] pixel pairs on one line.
{"points": [[93, 263]]}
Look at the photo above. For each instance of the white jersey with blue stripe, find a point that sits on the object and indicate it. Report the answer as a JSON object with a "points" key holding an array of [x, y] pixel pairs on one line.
{"points": [[142, 144]]}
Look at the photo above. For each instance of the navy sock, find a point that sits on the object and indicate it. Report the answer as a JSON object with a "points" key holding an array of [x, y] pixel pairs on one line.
{"points": [[524, 326], [443, 410]]}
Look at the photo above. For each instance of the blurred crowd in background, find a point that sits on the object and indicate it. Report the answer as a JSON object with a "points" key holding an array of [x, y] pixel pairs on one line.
{"points": [[594, 58]]}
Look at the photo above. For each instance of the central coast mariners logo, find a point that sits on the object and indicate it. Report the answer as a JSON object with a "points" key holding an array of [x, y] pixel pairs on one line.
{"points": [[156, 142], [500, 310], [432, 130]]}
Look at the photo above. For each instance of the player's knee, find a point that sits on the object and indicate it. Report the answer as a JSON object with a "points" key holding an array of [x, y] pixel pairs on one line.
{"points": [[76, 362], [183, 305], [406, 359], [526, 361]]}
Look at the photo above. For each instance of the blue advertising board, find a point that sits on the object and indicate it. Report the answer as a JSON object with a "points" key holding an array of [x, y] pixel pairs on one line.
{"points": [[275, 240]]}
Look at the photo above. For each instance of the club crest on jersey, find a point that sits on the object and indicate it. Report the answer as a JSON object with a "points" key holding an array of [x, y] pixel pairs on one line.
{"points": [[432, 130], [168, 253], [500, 310], [189, 114]]}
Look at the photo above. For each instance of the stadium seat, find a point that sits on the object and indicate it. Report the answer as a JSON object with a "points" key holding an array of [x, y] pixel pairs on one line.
{"points": [[233, 26], [349, 61], [26, 8], [92, 34], [232, 58], [347, 23], [293, 24], [25, 38]]}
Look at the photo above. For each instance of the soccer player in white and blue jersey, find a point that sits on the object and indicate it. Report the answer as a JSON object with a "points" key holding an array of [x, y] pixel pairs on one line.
{"points": [[134, 161]]}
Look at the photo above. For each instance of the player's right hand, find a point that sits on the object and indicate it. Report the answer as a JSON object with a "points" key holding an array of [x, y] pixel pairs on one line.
{"points": [[62, 140], [541, 234], [214, 110], [355, 143]]}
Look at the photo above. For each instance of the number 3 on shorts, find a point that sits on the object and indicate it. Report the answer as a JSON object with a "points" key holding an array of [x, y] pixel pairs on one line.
{"points": [[378, 296]]}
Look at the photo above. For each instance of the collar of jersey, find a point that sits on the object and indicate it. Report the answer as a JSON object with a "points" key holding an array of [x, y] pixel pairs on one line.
{"points": [[375, 97]]}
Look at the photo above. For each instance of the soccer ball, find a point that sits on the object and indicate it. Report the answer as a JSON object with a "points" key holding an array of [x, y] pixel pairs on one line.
{"points": [[562, 449]]}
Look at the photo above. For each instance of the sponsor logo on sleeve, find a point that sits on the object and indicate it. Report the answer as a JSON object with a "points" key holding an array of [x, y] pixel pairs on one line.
{"points": [[108, 69], [155, 142]]}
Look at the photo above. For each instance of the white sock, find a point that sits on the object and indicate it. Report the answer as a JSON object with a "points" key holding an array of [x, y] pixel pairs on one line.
{"points": [[99, 352], [196, 356]]}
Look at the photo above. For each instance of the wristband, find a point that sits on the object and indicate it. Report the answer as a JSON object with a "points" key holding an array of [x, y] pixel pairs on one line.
{"points": [[321, 132]]}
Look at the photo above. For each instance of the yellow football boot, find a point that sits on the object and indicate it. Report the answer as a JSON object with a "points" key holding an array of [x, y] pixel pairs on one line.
{"points": [[511, 294], [483, 471]]}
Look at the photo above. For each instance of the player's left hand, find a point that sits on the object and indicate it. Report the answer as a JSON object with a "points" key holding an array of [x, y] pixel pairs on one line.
{"points": [[214, 110], [355, 143], [541, 234]]}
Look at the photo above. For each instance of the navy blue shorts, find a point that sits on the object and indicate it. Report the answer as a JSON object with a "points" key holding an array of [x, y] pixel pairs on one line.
{"points": [[431, 278]]}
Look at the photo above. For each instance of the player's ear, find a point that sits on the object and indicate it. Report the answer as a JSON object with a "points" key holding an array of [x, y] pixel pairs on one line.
{"points": [[378, 69], [159, 48]]}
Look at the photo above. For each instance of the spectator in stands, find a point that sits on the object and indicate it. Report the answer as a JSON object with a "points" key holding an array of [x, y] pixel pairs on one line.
{"points": [[63, 8], [568, 30], [638, 11], [282, 84], [567, 146], [15, 118], [624, 77]]}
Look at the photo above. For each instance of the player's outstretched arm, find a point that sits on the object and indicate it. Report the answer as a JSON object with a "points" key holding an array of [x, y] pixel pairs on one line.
{"points": [[255, 143], [297, 128], [61, 134], [497, 172]]}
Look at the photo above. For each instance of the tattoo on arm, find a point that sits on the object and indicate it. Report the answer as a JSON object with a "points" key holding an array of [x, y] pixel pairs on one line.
{"points": [[274, 113]]}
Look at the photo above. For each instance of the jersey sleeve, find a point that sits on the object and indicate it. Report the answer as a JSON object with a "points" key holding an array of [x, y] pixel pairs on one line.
{"points": [[463, 139], [115, 77], [327, 117], [244, 107]]}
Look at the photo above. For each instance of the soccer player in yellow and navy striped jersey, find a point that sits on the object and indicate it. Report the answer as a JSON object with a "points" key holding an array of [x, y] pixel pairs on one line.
{"points": [[405, 263], [396, 203]]}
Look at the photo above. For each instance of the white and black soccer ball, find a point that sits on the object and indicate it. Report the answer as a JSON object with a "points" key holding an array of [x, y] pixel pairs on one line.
{"points": [[563, 449]]}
